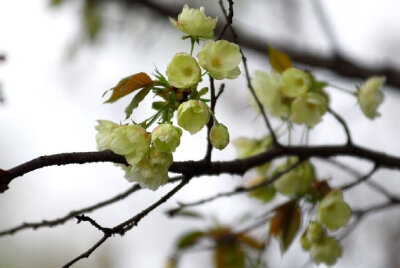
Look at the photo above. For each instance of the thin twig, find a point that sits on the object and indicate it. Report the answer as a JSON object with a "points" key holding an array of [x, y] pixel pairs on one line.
{"points": [[128, 224], [343, 123], [361, 179], [228, 17], [213, 102]]}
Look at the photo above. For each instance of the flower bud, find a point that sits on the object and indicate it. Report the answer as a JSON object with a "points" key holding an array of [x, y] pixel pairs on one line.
{"points": [[308, 109], [103, 136], [183, 71], [220, 59], [297, 181], [333, 212], [193, 115], [166, 138], [132, 141], [194, 22], [295, 82], [219, 136], [327, 251], [315, 232], [370, 97]]}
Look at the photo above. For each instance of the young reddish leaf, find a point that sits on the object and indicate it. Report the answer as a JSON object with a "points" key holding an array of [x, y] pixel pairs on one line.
{"points": [[128, 85], [285, 223], [279, 60], [229, 256], [189, 239]]}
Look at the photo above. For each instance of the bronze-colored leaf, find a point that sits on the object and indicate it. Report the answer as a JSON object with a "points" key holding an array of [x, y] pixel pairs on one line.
{"points": [[229, 256], [279, 60], [286, 223], [128, 85], [250, 241]]}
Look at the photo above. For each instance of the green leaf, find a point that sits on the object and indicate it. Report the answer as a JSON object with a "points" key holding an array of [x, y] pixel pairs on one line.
{"points": [[189, 239], [159, 105], [128, 85], [203, 91], [279, 60], [229, 256], [286, 223], [136, 100]]}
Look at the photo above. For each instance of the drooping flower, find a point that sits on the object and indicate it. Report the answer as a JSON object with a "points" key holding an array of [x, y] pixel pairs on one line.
{"points": [[333, 212], [220, 59], [308, 109], [295, 82], [151, 171], [219, 136], [327, 251], [193, 115], [166, 138], [195, 23], [267, 88], [103, 136], [132, 141], [183, 71], [370, 96], [297, 181]]}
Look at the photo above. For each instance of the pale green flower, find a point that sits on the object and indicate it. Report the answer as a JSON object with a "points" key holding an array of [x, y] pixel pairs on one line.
{"points": [[183, 71], [370, 96], [220, 59], [152, 171], [308, 109], [193, 115], [297, 181], [315, 232], [219, 136], [295, 82], [267, 88], [132, 141], [195, 23], [166, 138], [327, 251], [333, 212], [103, 136]]}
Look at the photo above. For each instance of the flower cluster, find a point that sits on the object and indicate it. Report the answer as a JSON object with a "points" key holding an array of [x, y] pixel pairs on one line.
{"points": [[293, 96], [148, 155]]}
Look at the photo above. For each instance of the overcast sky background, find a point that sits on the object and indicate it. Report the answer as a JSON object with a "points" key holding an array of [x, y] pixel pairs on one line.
{"points": [[53, 101]]}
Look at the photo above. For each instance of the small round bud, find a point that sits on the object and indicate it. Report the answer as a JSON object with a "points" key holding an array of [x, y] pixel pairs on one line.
{"points": [[327, 251], [183, 71], [166, 138], [315, 232], [370, 97], [193, 115], [333, 212], [220, 59], [194, 22], [219, 136], [295, 82]]}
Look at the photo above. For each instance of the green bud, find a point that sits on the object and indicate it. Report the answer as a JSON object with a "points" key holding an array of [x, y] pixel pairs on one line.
{"points": [[370, 97], [194, 22], [103, 136], [333, 212], [166, 138], [295, 82], [315, 232], [219, 136], [220, 59], [130, 140], [304, 242], [193, 115], [183, 71], [297, 181], [308, 109], [327, 251]]}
